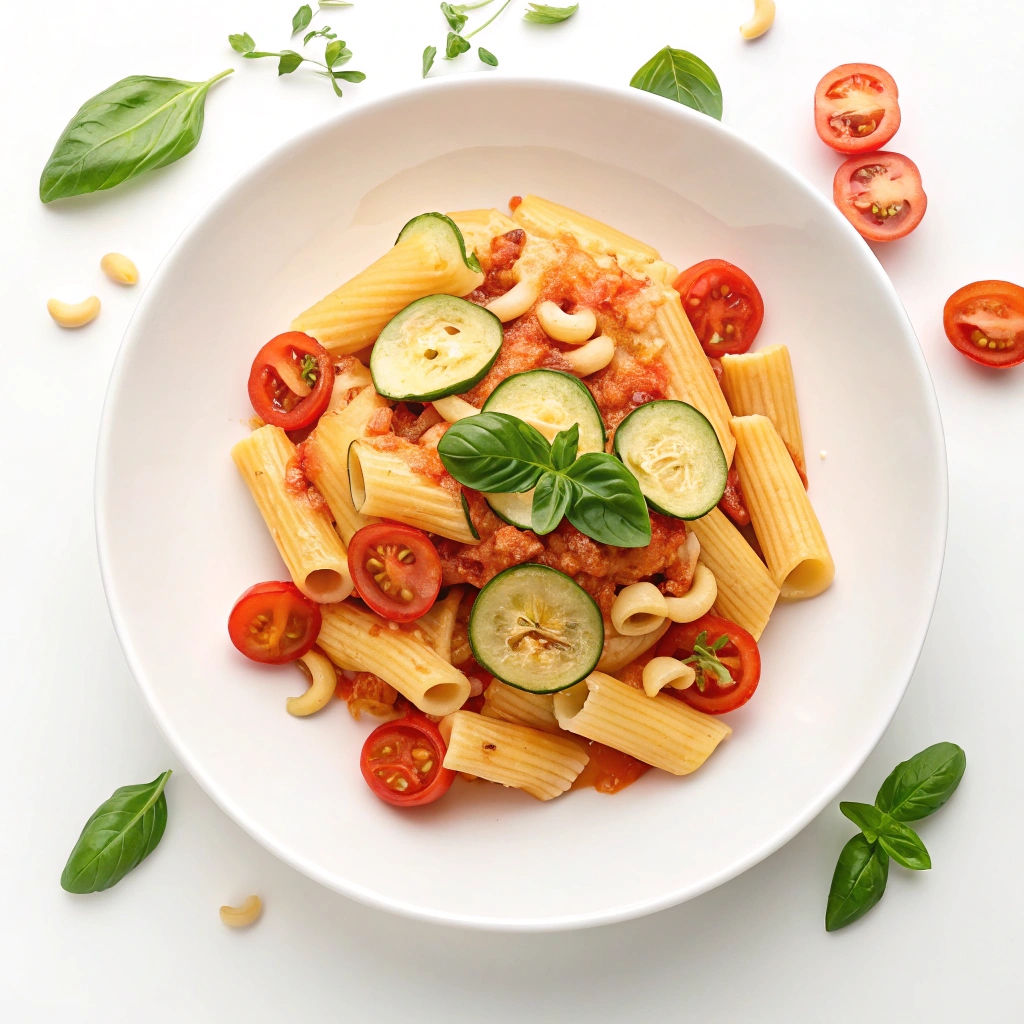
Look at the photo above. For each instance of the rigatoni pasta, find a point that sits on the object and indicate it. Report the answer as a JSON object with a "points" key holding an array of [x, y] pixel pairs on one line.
{"points": [[509, 704], [359, 641], [313, 552], [761, 383], [660, 731], [542, 765], [785, 523]]}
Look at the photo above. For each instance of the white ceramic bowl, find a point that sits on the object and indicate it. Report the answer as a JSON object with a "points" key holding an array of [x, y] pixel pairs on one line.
{"points": [[179, 538]]}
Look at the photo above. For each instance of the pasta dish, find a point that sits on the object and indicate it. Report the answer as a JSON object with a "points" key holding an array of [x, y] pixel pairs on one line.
{"points": [[537, 499]]}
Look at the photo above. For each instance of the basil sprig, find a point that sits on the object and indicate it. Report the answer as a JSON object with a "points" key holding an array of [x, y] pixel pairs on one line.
{"points": [[122, 832], [137, 125], [498, 453], [681, 76], [707, 666], [913, 790]]}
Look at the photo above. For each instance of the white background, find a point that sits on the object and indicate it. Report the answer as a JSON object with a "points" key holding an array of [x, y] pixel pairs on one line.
{"points": [[942, 945]]}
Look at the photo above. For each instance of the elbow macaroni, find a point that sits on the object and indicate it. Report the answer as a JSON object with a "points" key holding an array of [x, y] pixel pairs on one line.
{"points": [[638, 609], [323, 680], [661, 672], [698, 600]]}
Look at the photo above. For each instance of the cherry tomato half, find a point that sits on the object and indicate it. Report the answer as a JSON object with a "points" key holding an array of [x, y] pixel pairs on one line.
{"points": [[723, 305], [291, 380], [395, 569], [985, 321], [401, 762], [856, 108], [738, 654], [880, 194], [274, 623]]}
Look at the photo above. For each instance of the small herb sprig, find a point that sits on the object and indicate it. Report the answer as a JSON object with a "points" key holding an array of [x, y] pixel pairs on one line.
{"points": [[494, 452], [706, 663], [336, 53], [458, 43], [913, 790]]}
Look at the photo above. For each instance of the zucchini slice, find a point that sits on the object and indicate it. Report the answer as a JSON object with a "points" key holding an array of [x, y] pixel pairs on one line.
{"points": [[675, 455], [536, 629], [550, 401], [446, 234], [437, 346]]}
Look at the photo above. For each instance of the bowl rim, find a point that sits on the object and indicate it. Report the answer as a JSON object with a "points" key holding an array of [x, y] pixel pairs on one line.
{"points": [[456, 84]]}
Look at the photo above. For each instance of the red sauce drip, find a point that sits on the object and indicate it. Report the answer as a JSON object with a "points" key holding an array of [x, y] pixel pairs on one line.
{"points": [[609, 770], [514, 203]]}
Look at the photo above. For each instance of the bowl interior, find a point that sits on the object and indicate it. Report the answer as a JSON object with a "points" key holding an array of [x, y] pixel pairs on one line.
{"points": [[180, 539]]}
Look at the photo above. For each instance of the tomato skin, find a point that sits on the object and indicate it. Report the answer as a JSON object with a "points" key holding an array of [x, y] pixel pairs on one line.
{"points": [[853, 188], [987, 303], [418, 573], [733, 504], [411, 743], [293, 620], [837, 122], [715, 699], [274, 401], [734, 318]]}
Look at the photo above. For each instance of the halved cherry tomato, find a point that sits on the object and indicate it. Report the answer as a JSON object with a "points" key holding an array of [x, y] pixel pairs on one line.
{"points": [[985, 321], [723, 305], [274, 623], [401, 762], [738, 655], [291, 380], [395, 569], [856, 108], [880, 194]]}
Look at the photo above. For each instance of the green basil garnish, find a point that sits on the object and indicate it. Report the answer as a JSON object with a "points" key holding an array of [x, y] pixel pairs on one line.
{"points": [[681, 76], [137, 125], [428, 59], [301, 19], [858, 882], [487, 57], [498, 453], [542, 14], [122, 832], [920, 786], [913, 790]]}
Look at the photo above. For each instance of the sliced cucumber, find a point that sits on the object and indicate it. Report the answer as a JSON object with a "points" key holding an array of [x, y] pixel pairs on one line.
{"points": [[675, 455], [536, 629], [550, 401], [438, 345], [447, 235]]}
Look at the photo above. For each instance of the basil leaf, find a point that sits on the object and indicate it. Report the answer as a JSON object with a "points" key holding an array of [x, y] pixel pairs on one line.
{"points": [[136, 125], [242, 42], [679, 75], [428, 59], [870, 820], [550, 500], [608, 506], [904, 845], [301, 19], [289, 61], [565, 447], [454, 18], [335, 3], [350, 76], [542, 14], [920, 786], [487, 57], [336, 53], [456, 45], [122, 832], [858, 882], [494, 452]]}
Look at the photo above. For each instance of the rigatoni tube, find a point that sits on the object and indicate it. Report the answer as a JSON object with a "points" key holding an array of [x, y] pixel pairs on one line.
{"points": [[660, 731], [360, 641], [542, 765], [310, 547], [787, 528]]}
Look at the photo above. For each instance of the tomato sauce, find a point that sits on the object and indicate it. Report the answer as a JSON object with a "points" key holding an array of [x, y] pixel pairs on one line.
{"points": [[298, 486], [609, 770]]}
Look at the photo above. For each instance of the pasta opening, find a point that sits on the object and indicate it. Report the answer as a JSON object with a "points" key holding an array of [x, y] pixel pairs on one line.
{"points": [[356, 483], [443, 698], [569, 703], [326, 586], [808, 579]]}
